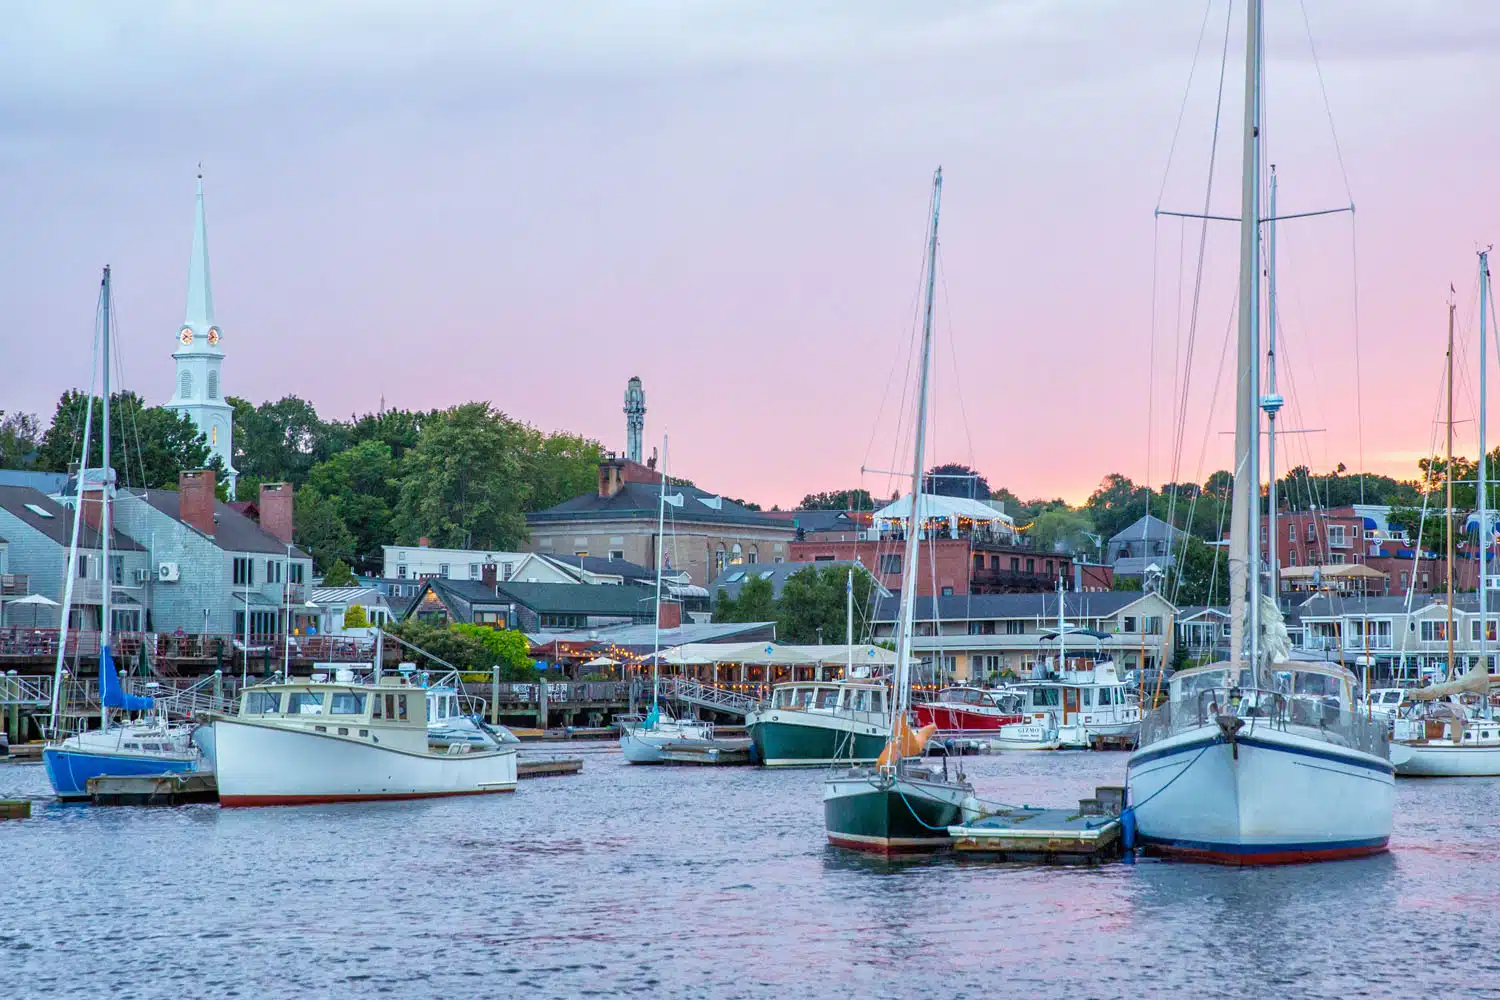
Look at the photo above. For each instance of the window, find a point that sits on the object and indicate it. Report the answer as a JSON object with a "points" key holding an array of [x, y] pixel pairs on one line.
{"points": [[1049, 567], [877, 701], [1031, 565], [273, 570], [1435, 631], [737, 555], [1291, 531], [1015, 627], [1263, 532], [262, 702], [1129, 624], [443, 570], [994, 564], [619, 555], [720, 558], [83, 567], [38, 510], [1291, 557], [1489, 631], [1337, 537], [186, 385], [1426, 582], [117, 570], [476, 571], [1015, 565], [401, 707], [213, 383], [304, 703], [506, 569], [347, 703], [752, 557], [244, 571], [401, 572], [1104, 697], [981, 628], [1312, 532], [890, 564], [947, 591], [295, 573], [1405, 579], [1336, 559]]}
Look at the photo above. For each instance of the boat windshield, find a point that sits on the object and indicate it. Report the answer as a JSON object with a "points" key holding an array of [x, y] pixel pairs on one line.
{"points": [[827, 699], [1046, 697], [1189, 684], [304, 703], [262, 702], [347, 703]]}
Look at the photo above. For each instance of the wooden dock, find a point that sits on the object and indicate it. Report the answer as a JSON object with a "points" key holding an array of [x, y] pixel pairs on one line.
{"points": [[1089, 834], [702, 753], [548, 768], [154, 789], [22, 752], [15, 808]]}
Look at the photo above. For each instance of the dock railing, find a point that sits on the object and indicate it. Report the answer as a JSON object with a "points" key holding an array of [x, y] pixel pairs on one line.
{"points": [[698, 694]]}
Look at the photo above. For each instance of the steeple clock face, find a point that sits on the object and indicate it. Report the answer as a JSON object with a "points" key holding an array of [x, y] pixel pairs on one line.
{"points": [[186, 336], [213, 336]]}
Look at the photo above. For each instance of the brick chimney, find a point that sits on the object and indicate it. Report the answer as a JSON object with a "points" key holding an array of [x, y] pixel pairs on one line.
{"points": [[490, 573], [275, 506], [609, 477], [615, 472], [669, 614], [195, 503], [93, 509], [424, 541]]}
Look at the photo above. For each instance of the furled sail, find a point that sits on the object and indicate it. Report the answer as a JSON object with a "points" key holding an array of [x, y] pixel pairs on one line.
{"points": [[1476, 681], [111, 693]]}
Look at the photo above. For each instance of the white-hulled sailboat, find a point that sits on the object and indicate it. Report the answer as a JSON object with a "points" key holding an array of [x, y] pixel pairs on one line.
{"points": [[150, 744], [902, 803], [1258, 760]]}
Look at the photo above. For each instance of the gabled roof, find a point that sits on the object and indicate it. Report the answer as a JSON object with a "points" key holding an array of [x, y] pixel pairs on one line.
{"points": [[1146, 525], [47, 482], [348, 595], [462, 597], [639, 502], [233, 531], [959, 607], [638, 637], [631, 572], [19, 501]]}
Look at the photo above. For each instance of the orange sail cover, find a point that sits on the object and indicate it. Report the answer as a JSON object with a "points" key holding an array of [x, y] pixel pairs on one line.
{"points": [[905, 743]]}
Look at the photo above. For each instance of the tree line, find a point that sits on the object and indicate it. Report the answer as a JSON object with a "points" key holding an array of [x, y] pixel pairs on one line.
{"points": [[463, 477]]}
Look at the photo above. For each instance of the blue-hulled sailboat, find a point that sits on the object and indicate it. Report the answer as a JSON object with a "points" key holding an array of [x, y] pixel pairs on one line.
{"points": [[146, 745]]}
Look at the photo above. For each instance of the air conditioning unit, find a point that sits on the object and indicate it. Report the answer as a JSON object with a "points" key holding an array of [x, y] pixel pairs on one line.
{"points": [[142, 575], [168, 572]]}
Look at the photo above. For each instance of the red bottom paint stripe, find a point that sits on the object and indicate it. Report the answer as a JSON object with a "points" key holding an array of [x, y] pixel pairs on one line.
{"points": [[1291, 857], [308, 800], [883, 847]]}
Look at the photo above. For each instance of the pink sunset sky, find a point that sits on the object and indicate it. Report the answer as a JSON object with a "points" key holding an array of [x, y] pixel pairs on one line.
{"points": [[530, 203]]}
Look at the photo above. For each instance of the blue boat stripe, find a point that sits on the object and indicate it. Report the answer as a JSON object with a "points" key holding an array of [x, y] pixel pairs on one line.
{"points": [[1380, 766]]}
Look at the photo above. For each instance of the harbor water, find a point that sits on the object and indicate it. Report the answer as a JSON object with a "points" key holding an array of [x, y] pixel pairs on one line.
{"points": [[714, 882]]}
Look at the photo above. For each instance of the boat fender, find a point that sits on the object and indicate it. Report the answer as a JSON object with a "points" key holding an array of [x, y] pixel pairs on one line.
{"points": [[1127, 828], [972, 809]]}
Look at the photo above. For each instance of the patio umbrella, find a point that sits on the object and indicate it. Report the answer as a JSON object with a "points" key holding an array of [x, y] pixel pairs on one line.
{"points": [[35, 601]]}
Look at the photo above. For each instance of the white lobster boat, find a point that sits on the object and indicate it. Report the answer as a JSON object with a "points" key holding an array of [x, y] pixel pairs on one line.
{"points": [[1438, 738], [304, 742], [1235, 774]]}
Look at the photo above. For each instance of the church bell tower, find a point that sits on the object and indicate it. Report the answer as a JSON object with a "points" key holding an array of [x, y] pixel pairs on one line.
{"points": [[199, 355]]}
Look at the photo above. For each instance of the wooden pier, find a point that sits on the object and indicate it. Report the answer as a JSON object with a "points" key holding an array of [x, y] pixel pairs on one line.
{"points": [[720, 753], [1090, 834], [15, 808], [548, 768]]}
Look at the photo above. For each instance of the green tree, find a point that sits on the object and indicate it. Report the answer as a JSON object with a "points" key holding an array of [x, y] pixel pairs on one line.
{"points": [[756, 602], [462, 486], [338, 575], [149, 445], [557, 467], [504, 647], [398, 430], [355, 617], [359, 485], [282, 441], [954, 480], [1062, 530], [1116, 504], [1204, 574], [470, 648], [815, 597], [838, 500], [20, 440], [320, 530]]}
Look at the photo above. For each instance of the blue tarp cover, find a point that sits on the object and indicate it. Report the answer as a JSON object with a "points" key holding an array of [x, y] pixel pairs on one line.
{"points": [[110, 691]]}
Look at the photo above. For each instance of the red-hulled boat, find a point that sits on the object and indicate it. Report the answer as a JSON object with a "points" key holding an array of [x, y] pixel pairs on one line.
{"points": [[963, 711]]}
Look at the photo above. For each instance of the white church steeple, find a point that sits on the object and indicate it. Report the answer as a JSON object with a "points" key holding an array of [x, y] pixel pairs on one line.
{"points": [[200, 353]]}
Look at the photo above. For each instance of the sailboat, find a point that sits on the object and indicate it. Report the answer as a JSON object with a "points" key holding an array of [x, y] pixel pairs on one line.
{"points": [[1261, 759], [1439, 739], [656, 738], [149, 744], [902, 803]]}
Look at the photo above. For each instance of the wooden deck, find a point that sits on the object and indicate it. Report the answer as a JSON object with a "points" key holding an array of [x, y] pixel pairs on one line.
{"points": [[1089, 834]]}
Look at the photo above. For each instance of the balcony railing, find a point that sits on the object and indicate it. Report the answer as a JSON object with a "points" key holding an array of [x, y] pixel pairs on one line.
{"points": [[22, 642], [1358, 643], [1013, 580]]}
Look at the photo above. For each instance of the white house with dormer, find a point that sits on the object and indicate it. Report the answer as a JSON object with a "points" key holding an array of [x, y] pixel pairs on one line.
{"points": [[199, 354]]}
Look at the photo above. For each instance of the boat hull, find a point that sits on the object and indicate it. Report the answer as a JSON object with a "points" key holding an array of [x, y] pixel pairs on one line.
{"points": [[959, 720], [804, 739], [260, 765], [70, 770], [1435, 760], [891, 816], [1270, 797]]}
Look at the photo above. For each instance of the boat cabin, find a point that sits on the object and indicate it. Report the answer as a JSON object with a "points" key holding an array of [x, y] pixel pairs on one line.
{"points": [[832, 697], [1001, 700], [1307, 679], [392, 712]]}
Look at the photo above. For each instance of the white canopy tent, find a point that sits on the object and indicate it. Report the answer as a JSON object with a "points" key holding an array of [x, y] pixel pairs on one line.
{"points": [[954, 510]]}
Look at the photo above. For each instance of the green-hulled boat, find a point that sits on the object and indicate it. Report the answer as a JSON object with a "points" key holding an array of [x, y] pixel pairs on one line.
{"points": [[810, 723], [902, 803]]}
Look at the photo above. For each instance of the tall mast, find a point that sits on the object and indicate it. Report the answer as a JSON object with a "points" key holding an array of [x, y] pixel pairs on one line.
{"points": [[919, 456], [1452, 307], [1244, 541], [1271, 402], [849, 625], [1484, 504], [661, 521], [105, 490]]}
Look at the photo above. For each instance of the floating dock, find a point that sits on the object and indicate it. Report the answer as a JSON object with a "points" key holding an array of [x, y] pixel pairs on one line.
{"points": [[1090, 834], [15, 808], [548, 768], [153, 789], [722, 753]]}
